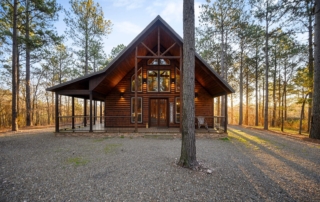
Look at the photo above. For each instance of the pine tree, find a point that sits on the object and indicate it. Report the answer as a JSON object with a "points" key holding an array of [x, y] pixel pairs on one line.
{"points": [[188, 145], [85, 26]]}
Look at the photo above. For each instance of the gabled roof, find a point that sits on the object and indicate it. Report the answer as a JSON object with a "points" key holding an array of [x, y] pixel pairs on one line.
{"points": [[103, 81]]}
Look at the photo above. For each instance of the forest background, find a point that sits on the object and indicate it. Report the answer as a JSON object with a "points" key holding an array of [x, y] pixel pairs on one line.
{"points": [[263, 48]]}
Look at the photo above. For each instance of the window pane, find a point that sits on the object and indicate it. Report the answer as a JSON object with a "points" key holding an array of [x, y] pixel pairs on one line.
{"points": [[152, 81], [139, 110], [177, 80], [152, 62], [177, 110], [139, 81], [164, 81], [164, 62]]}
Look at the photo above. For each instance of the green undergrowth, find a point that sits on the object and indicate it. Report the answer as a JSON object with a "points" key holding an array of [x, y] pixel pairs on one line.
{"points": [[77, 161], [111, 147], [224, 139]]}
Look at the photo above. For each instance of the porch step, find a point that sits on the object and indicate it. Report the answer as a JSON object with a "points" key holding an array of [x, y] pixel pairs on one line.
{"points": [[159, 136]]}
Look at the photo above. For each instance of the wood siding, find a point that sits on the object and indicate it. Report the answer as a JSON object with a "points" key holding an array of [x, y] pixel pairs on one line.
{"points": [[118, 109]]}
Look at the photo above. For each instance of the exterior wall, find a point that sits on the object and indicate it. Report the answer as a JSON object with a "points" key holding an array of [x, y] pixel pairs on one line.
{"points": [[118, 110]]}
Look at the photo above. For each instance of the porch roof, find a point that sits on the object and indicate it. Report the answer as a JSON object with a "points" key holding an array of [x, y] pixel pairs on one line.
{"points": [[100, 83]]}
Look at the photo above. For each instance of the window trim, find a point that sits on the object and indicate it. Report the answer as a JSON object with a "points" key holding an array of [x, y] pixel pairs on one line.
{"points": [[132, 108]]}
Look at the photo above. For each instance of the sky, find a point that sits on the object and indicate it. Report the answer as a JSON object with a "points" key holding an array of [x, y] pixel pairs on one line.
{"points": [[130, 17]]}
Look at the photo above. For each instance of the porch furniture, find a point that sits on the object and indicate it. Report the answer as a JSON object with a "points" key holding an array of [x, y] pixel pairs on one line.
{"points": [[202, 122]]}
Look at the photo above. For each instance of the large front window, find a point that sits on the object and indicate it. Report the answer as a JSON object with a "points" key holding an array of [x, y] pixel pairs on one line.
{"points": [[139, 111], [158, 80]]}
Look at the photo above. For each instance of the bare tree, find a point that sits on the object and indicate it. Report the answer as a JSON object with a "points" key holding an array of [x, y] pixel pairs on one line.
{"points": [[188, 147]]}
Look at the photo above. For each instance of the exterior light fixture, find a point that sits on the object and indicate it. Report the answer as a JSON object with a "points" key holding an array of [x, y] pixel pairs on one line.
{"points": [[144, 81], [172, 80], [121, 95], [195, 95]]}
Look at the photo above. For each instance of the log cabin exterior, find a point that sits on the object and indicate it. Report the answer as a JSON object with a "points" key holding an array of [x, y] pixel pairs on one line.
{"points": [[154, 57]]}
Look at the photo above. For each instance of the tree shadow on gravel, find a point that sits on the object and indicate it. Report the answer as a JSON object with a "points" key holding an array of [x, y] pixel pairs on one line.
{"points": [[279, 167]]}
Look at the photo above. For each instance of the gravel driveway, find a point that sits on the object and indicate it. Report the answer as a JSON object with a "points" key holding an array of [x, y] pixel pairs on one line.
{"points": [[249, 166]]}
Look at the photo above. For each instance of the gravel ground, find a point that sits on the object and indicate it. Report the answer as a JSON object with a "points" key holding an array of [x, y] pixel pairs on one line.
{"points": [[249, 166]]}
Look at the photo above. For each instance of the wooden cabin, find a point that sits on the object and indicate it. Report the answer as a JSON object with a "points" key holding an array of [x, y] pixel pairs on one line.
{"points": [[141, 87]]}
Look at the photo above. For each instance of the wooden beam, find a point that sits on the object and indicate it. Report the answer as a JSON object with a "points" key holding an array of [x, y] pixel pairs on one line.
{"points": [[85, 112], [168, 49], [100, 111], [226, 113], [94, 112], [136, 91], [90, 130], [181, 93], [57, 111], [73, 92], [158, 40], [148, 49], [72, 111], [158, 57]]}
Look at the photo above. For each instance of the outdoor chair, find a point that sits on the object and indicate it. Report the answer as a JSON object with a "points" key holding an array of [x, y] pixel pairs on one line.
{"points": [[202, 122]]}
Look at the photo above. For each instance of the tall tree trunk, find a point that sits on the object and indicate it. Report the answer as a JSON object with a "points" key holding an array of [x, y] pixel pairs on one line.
{"points": [[188, 146], [310, 58], [14, 121], [28, 90], [315, 120], [302, 113], [274, 92], [266, 107], [241, 85], [256, 85], [279, 96], [247, 97], [18, 79], [282, 105], [86, 54]]}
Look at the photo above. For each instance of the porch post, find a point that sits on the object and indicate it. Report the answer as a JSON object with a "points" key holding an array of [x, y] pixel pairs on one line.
{"points": [[181, 88], [100, 111], [105, 112], [85, 112], [57, 112], [226, 113], [213, 120], [94, 112], [90, 112], [72, 109], [136, 93]]}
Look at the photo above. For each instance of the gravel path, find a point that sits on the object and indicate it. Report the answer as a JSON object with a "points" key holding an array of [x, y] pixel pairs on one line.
{"points": [[249, 166]]}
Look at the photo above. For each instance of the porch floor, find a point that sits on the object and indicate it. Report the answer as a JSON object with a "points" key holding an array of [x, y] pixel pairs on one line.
{"points": [[100, 130]]}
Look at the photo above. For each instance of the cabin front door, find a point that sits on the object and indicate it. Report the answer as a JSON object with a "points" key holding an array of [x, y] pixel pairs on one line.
{"points": [[159, 112]]}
